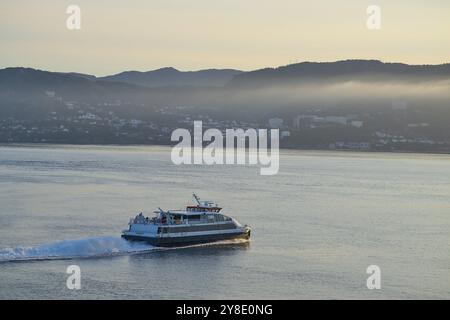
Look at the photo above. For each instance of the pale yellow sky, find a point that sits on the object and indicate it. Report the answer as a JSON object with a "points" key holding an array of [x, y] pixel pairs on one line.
{"points": [[118, 35]]}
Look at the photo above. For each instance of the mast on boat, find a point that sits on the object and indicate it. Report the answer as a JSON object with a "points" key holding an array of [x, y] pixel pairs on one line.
{"points": [[197, 198]]}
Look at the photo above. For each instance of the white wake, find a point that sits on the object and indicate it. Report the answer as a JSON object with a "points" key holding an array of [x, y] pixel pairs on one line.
{"points": [[82, 248], [91, 248]]}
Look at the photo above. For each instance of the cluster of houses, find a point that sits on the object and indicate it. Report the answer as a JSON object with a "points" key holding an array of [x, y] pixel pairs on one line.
{"points": [[81, 117]]}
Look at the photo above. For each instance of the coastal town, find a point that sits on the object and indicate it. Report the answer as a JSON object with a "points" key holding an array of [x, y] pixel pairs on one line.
{"points": [[109, 123]]}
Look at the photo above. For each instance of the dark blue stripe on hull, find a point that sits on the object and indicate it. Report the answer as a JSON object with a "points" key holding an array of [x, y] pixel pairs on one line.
{"points": [[180, 241]]}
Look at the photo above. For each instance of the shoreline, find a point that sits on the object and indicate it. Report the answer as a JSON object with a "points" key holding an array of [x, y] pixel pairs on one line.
{"points": [[44, 145]]}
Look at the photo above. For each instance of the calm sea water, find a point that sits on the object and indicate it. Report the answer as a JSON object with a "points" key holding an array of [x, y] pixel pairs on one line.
{"points": [[317, 225]]}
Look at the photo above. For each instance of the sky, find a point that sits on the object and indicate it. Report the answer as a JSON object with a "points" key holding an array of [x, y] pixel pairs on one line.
{"points": [[119, 35]]}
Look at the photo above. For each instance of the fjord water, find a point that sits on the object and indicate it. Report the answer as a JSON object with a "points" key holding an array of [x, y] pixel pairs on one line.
{"points": [[317, 225]]}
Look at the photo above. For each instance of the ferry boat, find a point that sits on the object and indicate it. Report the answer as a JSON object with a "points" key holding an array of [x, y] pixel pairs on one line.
{"points": [[200, 223]]}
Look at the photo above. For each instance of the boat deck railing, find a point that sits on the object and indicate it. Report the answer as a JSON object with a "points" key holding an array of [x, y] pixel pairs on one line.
{"points": [[171, 223]]}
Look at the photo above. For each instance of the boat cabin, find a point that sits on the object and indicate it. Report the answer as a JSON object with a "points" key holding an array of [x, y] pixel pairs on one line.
{"points": [[203, 212], [203, 206]]}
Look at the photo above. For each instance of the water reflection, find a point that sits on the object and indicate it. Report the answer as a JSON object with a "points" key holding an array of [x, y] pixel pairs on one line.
{"points": [[196, 251]]}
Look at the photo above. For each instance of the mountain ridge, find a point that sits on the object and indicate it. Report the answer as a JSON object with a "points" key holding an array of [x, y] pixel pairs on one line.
{"points": [[169, 76], [231, 78], [344, 69]]}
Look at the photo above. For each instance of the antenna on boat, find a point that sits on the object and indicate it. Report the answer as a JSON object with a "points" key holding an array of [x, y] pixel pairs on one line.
{"points": [[196, 198]]}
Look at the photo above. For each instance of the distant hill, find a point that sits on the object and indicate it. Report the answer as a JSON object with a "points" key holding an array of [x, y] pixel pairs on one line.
{"points": [[81, 75], [166, 77], [31, 87], [371, 70], [29, 81], [224, 88], [32, 77]]}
